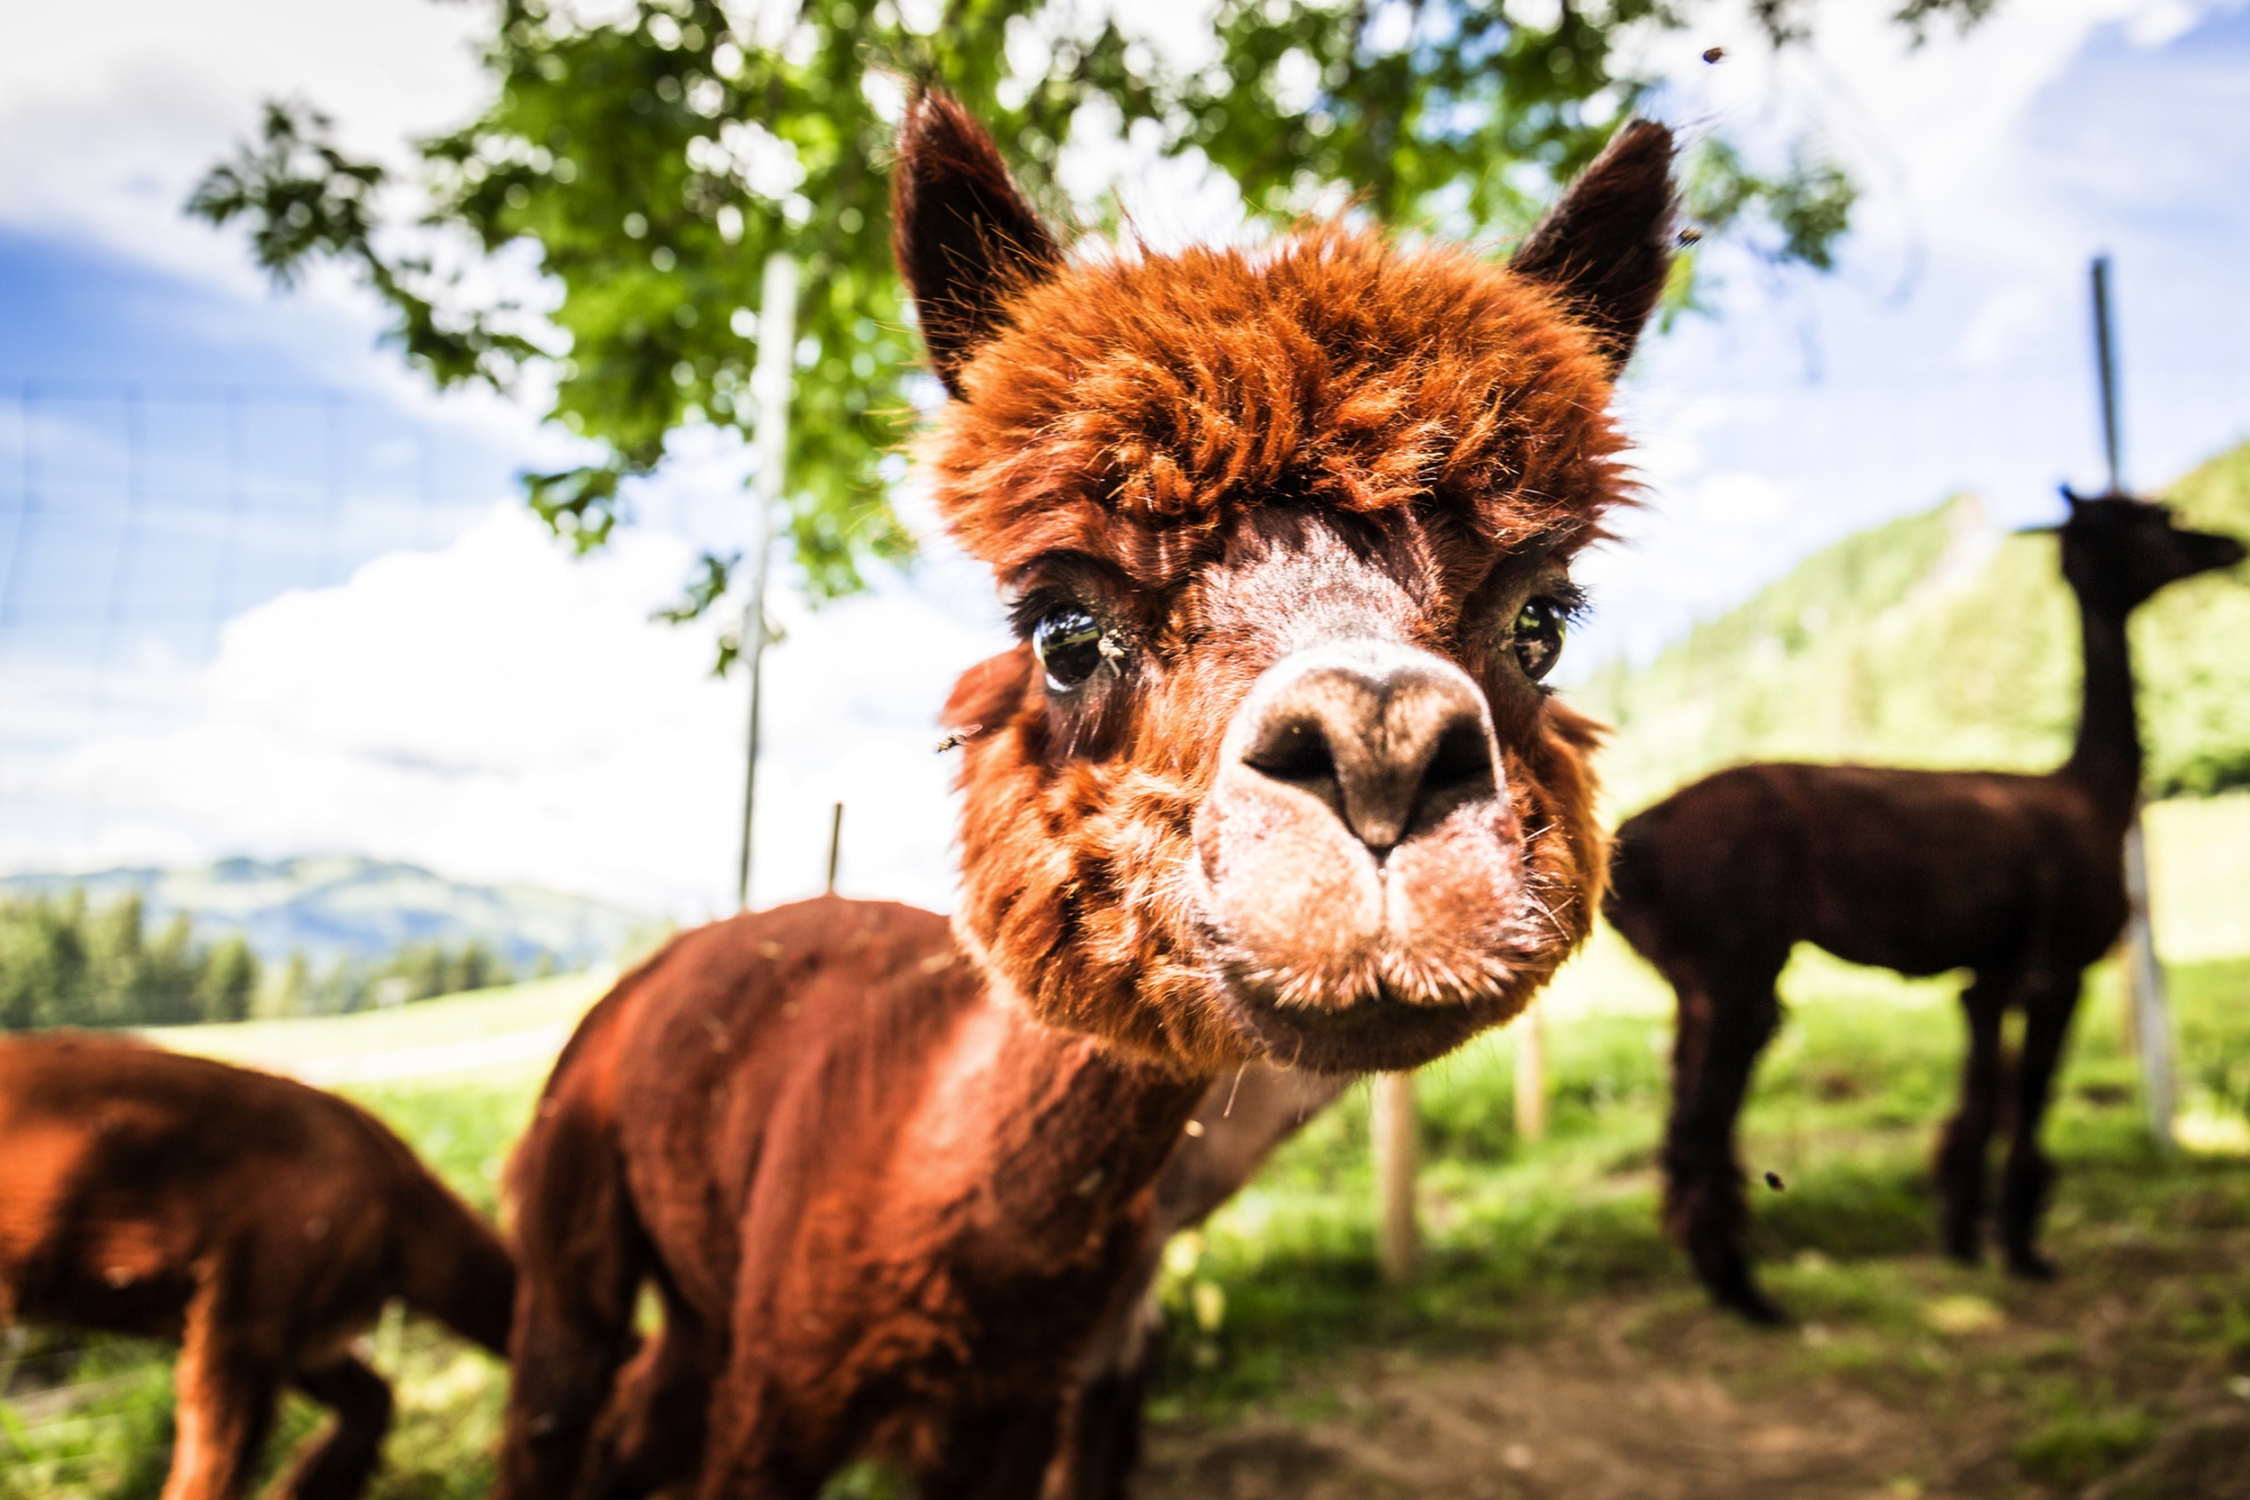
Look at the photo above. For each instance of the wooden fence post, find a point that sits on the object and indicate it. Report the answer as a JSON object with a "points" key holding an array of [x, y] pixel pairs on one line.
{"points": [[2151, 1028], [1398, 1237], [1531, 1074]]}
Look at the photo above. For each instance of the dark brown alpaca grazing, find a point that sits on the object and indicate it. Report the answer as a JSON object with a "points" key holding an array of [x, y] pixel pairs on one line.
{"points": [[2019, 879], [261, 1223], [1270, 774]]}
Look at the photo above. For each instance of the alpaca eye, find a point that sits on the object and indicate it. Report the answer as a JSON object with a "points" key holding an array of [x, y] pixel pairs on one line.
{"points": [[1537, 636], [1069, 645]]}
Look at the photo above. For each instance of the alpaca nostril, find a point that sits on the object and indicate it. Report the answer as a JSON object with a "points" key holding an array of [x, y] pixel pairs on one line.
{"points": [[1389, 751], [1293, 750], [1461, 766]]}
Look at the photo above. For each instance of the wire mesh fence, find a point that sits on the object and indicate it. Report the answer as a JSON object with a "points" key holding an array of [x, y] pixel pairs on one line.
{"points": [[152, 512]]}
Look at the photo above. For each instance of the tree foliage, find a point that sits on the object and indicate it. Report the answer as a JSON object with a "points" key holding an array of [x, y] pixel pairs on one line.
{"points": [[63, 964], [652, 161], [66, 963], [417, 971]]}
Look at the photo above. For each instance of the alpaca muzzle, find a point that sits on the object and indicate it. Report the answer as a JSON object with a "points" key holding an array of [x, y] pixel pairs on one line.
{"points": [[1361, 867]]}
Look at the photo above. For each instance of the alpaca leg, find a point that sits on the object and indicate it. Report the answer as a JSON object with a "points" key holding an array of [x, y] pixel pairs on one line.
{"points": [[654, 1431], [752, 1452], [997, 1454], [1101, 1437], [569, 1341], [2029, 1173], [1968, 1135], [226, 1393], [581, 1263], [1722, 1028], [337, 1465]]}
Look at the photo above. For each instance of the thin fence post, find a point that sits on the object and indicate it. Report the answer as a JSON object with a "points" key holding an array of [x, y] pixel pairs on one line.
{"points": [[835, 844], [1398, 1235], [770, 384]]}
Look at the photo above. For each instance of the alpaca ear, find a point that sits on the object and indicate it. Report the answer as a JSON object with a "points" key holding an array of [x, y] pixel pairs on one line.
{"points": [[1607, 245], [964, 237]]}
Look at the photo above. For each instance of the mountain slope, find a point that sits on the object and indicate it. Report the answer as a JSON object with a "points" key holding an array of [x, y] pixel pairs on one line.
{"points": [[1936, 641], [345, 907]]}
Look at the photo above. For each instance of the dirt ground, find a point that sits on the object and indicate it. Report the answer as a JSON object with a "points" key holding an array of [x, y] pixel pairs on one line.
{"points": [[1908, 1378]]}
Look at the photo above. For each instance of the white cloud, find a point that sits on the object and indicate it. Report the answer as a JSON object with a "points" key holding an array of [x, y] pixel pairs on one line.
{"points": [[2008, 314], [1950, 349], [2160, 21], [110, 119], [499, 710], [1738, 497]]}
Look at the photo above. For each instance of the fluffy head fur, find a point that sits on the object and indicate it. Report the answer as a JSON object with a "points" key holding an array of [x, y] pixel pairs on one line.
{"points": [[1348, 463]]}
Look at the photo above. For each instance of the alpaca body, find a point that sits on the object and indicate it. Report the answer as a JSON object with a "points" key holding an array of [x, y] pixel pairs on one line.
{"points": [[821, 1109], [1923, 872], [1269, 775], [2014, 878], [261, 1223], [2018, 879]]}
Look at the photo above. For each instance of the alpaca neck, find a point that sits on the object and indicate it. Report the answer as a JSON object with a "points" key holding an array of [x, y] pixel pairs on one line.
{"points": [[1055, 1133], [2107, 756]]}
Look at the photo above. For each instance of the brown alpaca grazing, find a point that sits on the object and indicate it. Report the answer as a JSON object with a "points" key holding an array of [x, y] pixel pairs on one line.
{"points": [[2019, 879], [260, 1223], [1271, 774]]}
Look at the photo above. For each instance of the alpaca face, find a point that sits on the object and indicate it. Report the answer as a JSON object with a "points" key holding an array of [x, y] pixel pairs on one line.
{"points": [[1287, 540], [2118, 552]]}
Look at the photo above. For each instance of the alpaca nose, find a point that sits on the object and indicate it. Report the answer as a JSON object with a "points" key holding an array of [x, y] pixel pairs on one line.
{"points": [[1390, 738]]}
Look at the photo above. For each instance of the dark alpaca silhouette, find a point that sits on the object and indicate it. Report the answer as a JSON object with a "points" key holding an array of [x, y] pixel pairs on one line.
{"points": [[261, 1223], [1270, 774], [2018, 879]]}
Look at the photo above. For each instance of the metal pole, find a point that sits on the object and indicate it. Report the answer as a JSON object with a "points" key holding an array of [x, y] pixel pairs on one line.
{"points": [[835, 844], [1398, 1236], [2150, 1016], [769, 385], [2105, 360]]}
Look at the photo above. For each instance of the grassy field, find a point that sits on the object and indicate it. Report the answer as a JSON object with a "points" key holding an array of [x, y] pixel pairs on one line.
{"points": [[1552, 1305], [1284, 1344], [1290, 1367]]}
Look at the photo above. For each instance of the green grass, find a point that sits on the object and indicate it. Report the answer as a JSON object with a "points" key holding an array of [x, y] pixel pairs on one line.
{"points": [[535, 1003], [1845, 1108]]}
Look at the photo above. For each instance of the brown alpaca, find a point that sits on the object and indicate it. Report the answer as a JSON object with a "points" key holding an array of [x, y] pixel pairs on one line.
{"points": [[2018, 879], [261, 1223], [1287, 534]]}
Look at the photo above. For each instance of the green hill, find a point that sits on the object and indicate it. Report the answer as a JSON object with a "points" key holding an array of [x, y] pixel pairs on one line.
{"points": [[1938, 641], [348, 907]]}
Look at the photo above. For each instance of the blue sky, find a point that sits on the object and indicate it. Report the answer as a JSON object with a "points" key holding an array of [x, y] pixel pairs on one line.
{"points": [[309, 616]]}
